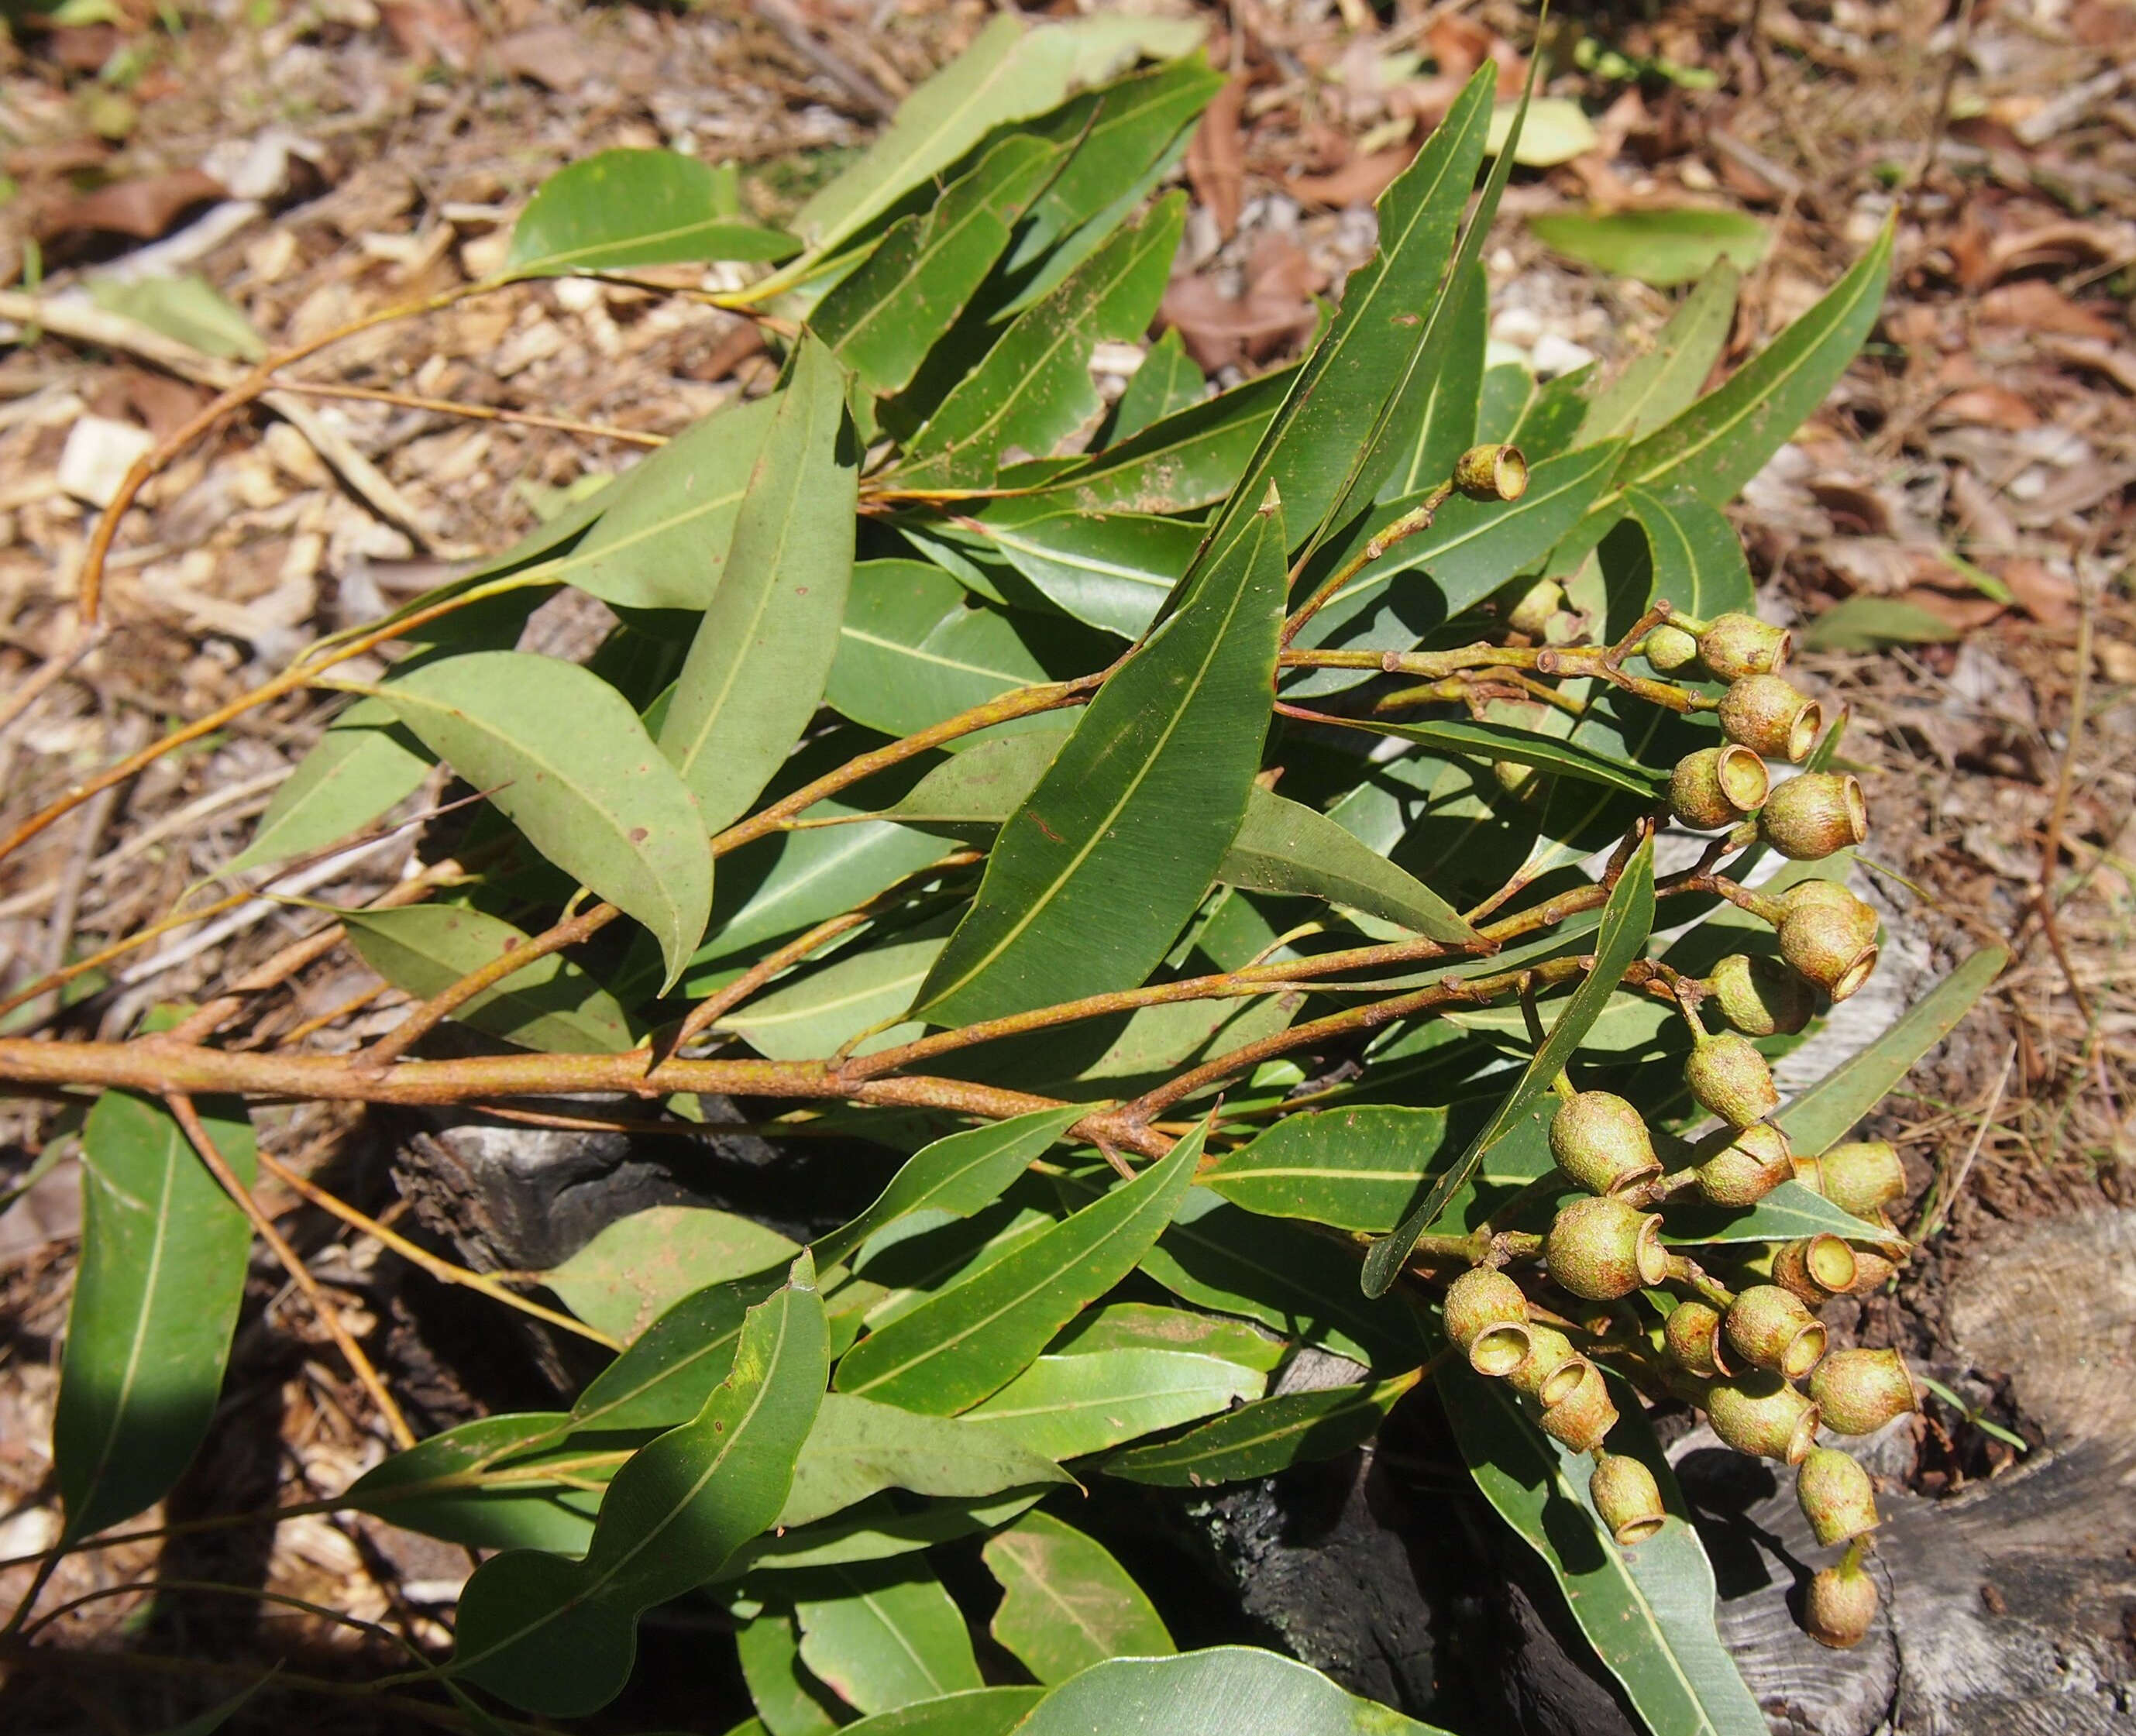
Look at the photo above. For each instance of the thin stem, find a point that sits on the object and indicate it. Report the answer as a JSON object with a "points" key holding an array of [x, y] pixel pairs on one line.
{"points": [[472, 412], [1418, 518]]}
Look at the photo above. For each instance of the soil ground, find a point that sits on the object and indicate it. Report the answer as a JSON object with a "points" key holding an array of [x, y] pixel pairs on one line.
{"points": [[1954, 532]]}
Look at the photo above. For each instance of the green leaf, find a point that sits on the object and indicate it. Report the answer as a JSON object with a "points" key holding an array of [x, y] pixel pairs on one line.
{"points": [[1725, 438], [1649, 1611], [885, 1637], [1262, 1438], [1785, 1215], [1167, 382], [1146, 1326], [1010, 73], [1821, 1117], [1554, 130], [1033, 387], [186, 308], [1492, 742], [1355, 1169], [876, 1531], [975, 1712], [664, 527], [859, 1449], [362, 765], [882, 318], [1627, 918], [1064, 1407], [1664, 382], [164, 1253], [913, 650], [956, 1348], [1284, 846], [1098, 868], [815, 1015], [1660, 246], [562, 757], [955, 1176], [983, 785], [788, 1700], [673, 1366], [620, 208], [1190, 458], [757, 667], [1441, 402], [550, 1005], [1696, 553], [559, 1636], [639, 1267], [1108, 569], [1067, 1604], [499, 1482], [1869, 624], [1223, 1691]]}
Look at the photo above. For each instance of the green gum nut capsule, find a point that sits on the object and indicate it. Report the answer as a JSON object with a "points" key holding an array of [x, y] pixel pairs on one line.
{"points": [[1601, 1249], [1871, 1272], [1836, 1496], [1692, 1337], [1553, 1366], [1492, 472], [1520, 782], [1486, 1317], [1828, 937], [1771, 717], [1716, 787], [1810, 816], [1760, 997], [1748, 1168], [1627, 1497], [1541, 600], [1737, 645], [1669, 648], [1816, 1268], [1840, 1605], [1770, 1328], [1859, 1391], [1729, 1079], [1584, 1416], [1761, 1414], [1601, 1141], [1863, 1177]]}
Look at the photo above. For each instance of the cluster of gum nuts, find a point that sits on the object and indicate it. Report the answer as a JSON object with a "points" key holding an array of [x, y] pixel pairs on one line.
{"points": [[1753, 1358]]}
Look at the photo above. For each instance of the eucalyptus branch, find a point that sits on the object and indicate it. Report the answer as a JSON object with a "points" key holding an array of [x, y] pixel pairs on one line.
{"points": [[1418, 518]]}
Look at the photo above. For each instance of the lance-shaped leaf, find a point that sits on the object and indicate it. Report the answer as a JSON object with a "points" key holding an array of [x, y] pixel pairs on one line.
{"points": [[1284, 846], [1436, 422], [620, 208], [1223, 1691], [975, 1712], [788, 1700], [1788, 1213], [1695, 551], [1109, 570], [1067, 1406], [882, 318], [1648, 1610], [1190, 458], [501, 1483], [1658, 385], [1147, 1327], [672, 1367], [1034, 387], [559, 1636], [563, 758], [757, 667], [954, 1349], [885, 1636], [1627, 918], [550, 1005], [361, 766], [955, 1176], [1661, 247], [1167, 382], [1067, 1604], [864, 991], [1355, 1169], [1492, 742], [637, 1267], [1821, 1116], [876, 1531], [1262, 1438], [1096, 870], [155, 1299], [858, 1448]]}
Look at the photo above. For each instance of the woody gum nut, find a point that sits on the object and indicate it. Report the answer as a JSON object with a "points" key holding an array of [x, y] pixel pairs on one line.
{"points": [[1583, 1417], [1693, 1335], [1836, 1496], [1770, 1328], [1627, 1498], [1816, 1268], [1601, 1141], [1669, 648], [1602, 1249], [1747, 1169], [1871, 1272], [1551, 1369], [1716, 787], [1761, 1414], [1486, 1316], [1737, 645], [1839, 1606], [1492, 472], [1759, 997], [1830, 944], [1810, 816], [1531, 614], [1517, 780], [1863, 1177], [1858, 1392], [1730, 1080], [1771, 717]]}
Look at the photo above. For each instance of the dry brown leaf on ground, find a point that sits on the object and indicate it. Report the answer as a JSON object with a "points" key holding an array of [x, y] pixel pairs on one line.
{"points": [[2032, 304], [1216, 158], [553, 56], [1358, 181], [1221, 330], [2048, 598], [1984, 406], [144, 209], [443, 30]]}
